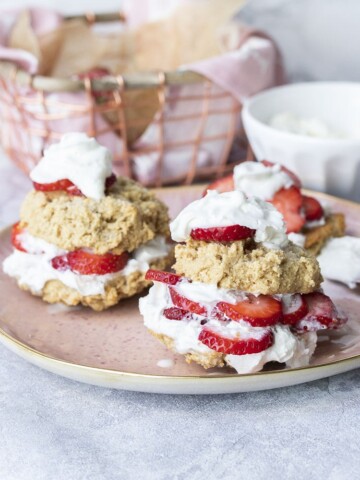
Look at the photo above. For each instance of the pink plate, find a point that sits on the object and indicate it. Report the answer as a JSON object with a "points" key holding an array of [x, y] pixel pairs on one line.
{"points": [[113, 349]]}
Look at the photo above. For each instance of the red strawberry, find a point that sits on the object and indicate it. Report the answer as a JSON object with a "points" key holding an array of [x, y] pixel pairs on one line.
{"points": [[15, 240], [289, 202], [68, 186], [222, 234], [260, 311], [322, 313], [174, 313], [312, 208], [186, 304], [291, 174], [163, 277], [294, 308], [87, 263], [225, 184], [235, 346], [96, 73]]}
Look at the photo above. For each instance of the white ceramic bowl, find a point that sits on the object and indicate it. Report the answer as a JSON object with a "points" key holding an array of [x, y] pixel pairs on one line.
{"points": [[326, 164]]}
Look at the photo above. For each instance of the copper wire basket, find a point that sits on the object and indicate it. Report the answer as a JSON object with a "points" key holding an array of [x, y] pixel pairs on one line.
{"points": [[35, 112]]}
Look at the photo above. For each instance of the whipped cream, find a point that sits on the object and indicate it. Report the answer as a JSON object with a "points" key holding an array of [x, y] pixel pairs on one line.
{"points": [[78, 158], [256, 180], [340, 260], [231, 208], [33, 268], [292, 349], [311, 127], [297, 238]]}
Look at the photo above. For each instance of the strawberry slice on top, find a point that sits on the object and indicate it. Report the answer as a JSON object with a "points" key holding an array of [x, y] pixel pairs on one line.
{"points": [[16, 231], [288, 201], [231, 233], [235, 346], [67, 186], [312, 208], [225, 184], [87, 263], [259, 311]]}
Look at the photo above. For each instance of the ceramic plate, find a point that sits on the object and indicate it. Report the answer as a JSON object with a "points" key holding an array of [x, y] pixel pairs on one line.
{"points": [[113, 349]]}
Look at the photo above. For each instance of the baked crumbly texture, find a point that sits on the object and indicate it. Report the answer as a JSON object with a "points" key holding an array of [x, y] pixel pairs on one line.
{"points": [[128, 216], [210, 359], [318, 236], [247, 266], [121, 287]]}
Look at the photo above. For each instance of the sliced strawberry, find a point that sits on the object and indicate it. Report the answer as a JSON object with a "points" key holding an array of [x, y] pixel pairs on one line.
{"points": [[15, 240], [235, 346], [68, 186], [87, 263], [294, 308], [294, 178], [260, 311], [222, 234], [185, 303], [288, 201], [225, 184], [174, 313], [322, 313], [97, 73], [163, 277], [312, 208]]}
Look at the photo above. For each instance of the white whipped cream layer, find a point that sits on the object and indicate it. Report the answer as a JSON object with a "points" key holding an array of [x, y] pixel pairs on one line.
{"points": [[340, 260], [256, 180], [231, 208], [294, 350], [78, 158], [34, 269], [297, 238]]}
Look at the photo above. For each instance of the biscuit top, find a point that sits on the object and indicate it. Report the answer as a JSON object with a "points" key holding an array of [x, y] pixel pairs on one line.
{"points": [[77, 158], [127, 217], [258, 180], [231, 208]]}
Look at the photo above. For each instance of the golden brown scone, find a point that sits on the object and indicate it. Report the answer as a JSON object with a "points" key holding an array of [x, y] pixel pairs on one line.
{"points": [[244, 265], [318, 236], [55, 291], [127, 217], [210, 359]]}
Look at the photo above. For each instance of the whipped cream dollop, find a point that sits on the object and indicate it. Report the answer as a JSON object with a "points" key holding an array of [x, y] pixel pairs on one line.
{"points": [[311, 127], [340, 260], [297, 238], [292, 349], [257, 180], [33, 268], [78, 158], [231, 208]]}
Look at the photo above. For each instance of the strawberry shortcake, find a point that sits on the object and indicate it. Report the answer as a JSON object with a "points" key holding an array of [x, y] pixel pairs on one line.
{"points": [[243, 295], [309, 224], [85, 236]]}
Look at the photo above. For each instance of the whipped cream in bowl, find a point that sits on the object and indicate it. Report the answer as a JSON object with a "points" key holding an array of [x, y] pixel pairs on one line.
{"points": [[231, 208], [77, 158]]}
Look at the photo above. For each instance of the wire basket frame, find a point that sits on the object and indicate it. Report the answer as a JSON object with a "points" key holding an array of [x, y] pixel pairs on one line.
{"points": [[187, 131]]}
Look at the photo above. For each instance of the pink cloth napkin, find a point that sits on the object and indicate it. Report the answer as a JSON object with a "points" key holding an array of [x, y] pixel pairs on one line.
{"points": [[253, 65]]}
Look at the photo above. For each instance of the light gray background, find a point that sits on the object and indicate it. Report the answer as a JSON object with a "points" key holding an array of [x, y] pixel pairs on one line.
{"points": [[53, 428]]}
